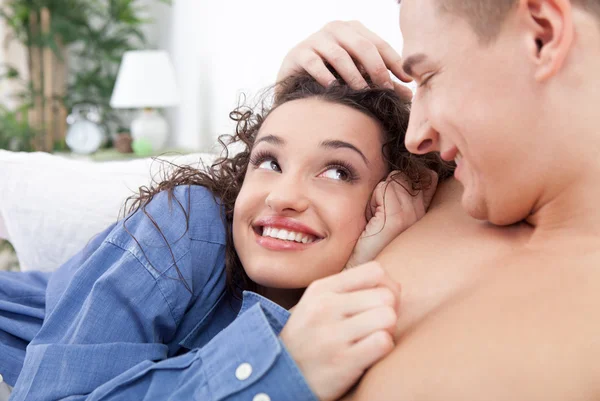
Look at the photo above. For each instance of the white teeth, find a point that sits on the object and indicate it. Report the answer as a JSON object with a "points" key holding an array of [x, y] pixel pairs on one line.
{"points": [[458, 158], [287, 235]]}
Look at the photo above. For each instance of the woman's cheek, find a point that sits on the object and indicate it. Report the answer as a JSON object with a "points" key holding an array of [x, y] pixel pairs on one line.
{"points": [[351, 217]]}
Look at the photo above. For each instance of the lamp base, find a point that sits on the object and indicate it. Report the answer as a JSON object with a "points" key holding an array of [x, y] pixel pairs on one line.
{"points": [[150, 128]]}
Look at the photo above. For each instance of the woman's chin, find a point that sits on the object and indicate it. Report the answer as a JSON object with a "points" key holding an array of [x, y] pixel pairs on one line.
{"points": [[283, 278]]}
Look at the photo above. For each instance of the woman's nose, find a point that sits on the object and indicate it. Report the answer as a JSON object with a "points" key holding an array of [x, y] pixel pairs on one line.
{"points": [[287, 194]]}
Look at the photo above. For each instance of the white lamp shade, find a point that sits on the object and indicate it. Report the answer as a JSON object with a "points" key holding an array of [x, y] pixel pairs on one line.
{"points": [[146, 79]]}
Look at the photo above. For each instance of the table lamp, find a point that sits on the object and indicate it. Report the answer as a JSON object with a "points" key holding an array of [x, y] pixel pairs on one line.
{"points": [[146, 80]]}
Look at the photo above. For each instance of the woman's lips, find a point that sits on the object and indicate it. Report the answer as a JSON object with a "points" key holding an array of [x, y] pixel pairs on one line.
{"points": [[276, 244], [273, 223], [286, 223]]}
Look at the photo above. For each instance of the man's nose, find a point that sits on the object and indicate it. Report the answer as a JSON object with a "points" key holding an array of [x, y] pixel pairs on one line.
{"points": [[421, 137], [288, 194]]}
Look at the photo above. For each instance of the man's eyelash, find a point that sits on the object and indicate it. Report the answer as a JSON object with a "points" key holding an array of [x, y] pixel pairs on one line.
{"points": [[426, 80]]}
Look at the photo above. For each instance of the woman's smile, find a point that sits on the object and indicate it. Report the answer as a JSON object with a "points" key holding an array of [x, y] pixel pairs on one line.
{"points": [[301, 208]]}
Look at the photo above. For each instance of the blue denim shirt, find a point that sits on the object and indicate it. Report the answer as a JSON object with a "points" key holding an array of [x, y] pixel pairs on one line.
{"points": [[121, 325]]}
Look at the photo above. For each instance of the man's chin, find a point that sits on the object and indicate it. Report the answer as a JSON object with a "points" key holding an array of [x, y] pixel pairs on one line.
{"points": [[475, 206]]}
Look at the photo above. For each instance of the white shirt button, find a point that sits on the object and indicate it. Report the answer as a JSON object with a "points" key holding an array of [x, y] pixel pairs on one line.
{"points": [[1, 379], [261, 397], [243, 371]]}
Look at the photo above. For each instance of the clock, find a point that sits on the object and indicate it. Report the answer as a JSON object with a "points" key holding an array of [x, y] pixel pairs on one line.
{"points": [[85, 134]]}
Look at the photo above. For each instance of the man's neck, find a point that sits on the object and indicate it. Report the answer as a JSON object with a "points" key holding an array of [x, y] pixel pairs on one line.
{"points": [[571, 213]]}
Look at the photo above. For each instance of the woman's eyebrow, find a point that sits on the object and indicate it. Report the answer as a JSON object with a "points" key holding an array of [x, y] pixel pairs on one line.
{"points": [[337, 144], [272, 139]]}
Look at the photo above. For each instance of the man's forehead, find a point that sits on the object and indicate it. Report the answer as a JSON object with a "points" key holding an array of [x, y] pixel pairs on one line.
{"points": [[426, 30], [418, 25]]}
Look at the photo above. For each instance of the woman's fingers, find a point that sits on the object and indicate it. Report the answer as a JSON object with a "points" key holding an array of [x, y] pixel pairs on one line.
{"points": [[368, 275], [342, 324], [429, 192], [372, 320], [403, 205], [360, 301], [371, 348]]}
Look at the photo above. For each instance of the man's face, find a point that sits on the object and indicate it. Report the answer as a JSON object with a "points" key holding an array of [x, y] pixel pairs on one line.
{"points": [[475, 104]]}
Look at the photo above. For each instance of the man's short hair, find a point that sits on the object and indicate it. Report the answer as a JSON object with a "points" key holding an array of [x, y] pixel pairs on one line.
{"points": [[487, 16]]}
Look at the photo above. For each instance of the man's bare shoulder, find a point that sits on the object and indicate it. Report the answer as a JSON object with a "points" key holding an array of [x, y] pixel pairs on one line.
{"points": [[444, 253], [527, 330]]}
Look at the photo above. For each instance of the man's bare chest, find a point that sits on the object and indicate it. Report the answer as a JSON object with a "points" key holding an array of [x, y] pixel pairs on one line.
{"points": [[530, 335]]}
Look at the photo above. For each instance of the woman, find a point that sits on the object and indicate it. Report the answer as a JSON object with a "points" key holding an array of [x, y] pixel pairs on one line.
{"points": [[154, 307]]}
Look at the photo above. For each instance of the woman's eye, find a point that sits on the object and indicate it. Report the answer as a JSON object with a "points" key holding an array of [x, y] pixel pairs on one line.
{"points": [[270, 165], [336, 174]]}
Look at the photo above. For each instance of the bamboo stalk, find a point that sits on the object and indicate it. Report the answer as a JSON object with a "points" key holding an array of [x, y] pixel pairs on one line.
{"points": [[35, 116], [47, 69], [60, 89]]}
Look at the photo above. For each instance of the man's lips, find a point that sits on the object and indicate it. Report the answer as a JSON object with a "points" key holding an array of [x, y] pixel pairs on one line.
{"points": [[450, 154]]}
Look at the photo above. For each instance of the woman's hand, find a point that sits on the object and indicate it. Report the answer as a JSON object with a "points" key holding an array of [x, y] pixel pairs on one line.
{"points": [[348, 47], [393, 209], [342, 325]]}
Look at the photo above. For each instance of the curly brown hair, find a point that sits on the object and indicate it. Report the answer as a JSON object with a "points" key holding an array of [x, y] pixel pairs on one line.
{"points": [[225, 177]]}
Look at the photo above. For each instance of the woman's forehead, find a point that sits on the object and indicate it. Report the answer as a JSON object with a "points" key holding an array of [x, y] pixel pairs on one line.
{"points": [[313, 122]]}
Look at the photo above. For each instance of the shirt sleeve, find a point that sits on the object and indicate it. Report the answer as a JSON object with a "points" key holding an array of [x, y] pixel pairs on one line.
{"points": [[246, 361], [123, 302]]}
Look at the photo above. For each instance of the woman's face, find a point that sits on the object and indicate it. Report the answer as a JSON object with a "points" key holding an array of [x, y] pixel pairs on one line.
{"points": [[302, 206]]}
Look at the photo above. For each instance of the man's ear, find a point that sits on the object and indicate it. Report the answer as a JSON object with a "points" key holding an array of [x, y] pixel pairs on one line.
{"points": [[551, 35]]}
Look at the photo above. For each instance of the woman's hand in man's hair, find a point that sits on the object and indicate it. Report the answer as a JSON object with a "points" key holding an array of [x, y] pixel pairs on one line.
{"points": [[342, 325], [350, 48], [394, 207]]}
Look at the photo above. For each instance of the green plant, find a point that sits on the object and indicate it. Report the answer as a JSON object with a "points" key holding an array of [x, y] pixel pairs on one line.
{"points": [[86, 40], [15, 131]]}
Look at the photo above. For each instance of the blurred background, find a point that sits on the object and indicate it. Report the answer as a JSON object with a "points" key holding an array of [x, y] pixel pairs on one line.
{"points": [[117, 80], [60, 58]]}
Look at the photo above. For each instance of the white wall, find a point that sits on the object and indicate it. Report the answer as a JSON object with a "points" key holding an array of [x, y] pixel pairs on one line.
{"points": [[221, 48]]}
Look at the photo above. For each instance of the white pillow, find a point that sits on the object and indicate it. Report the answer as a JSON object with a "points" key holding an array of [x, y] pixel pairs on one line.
{"points": [[50, 206]]}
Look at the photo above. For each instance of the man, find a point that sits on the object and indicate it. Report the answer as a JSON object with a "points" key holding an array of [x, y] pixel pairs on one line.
{"points": [[508, 89]]}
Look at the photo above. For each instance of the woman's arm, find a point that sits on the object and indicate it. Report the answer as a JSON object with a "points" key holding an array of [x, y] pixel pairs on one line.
{"points": [[123, 303], [244, 360], [108, 335]]}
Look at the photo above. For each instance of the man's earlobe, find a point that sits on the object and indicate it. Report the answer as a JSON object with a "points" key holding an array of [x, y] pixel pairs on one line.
{"points": [[554, 34]]}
